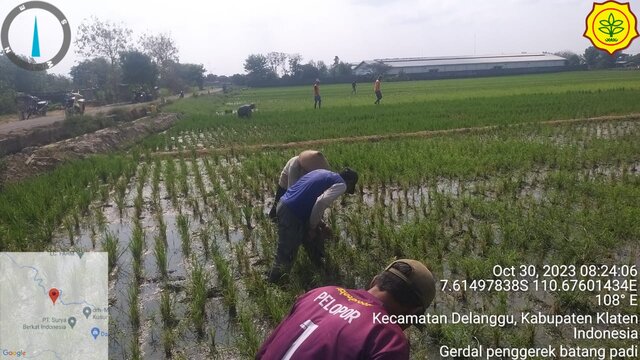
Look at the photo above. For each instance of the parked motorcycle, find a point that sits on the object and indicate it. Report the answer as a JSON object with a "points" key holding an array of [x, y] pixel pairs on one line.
{"points": [[144, 94], [74, 104], [139, 97], [29, 106]]}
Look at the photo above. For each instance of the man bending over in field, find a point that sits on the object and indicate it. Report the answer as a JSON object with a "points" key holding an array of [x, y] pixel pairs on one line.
{"points": [[336, 323], [295, 168], [245, 110], [300, 213]]}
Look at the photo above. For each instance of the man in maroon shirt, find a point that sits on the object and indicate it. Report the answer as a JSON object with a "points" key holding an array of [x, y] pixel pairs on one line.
{"points": [[336, 323]]}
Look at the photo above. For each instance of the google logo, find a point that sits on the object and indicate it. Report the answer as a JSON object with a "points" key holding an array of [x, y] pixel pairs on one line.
{"points": [[19, 353]]}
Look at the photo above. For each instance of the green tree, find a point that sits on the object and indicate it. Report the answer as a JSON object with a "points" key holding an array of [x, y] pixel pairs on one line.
{"points": [[295, 65], [92, 73], [309, 71], [277, 62], [7, 94], [137, 69], [323, 70], [591, 55], [256, 65], [192, 74], [573, 59], [14, 79], [341, 70], [161, 48], [56, 84], [180, 76], [379, 68], [97, 38], [635, 60], [599, 59], [239, 79], [258, 70], [20, 80], [171, 78]]}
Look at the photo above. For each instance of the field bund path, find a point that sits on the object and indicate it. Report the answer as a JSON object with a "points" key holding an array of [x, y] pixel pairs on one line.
{"points": [[374, 138]]}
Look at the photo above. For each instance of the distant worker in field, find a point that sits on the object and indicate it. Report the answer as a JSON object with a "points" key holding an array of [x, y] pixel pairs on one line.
{"points": [[376, 89], [300, 217], [336, 323], [244, 111], [294, 169], [353, 87], [317, 100]]}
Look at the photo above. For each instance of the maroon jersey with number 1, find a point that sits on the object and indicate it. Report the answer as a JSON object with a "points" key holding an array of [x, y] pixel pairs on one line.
{"points": [[335, 323]]}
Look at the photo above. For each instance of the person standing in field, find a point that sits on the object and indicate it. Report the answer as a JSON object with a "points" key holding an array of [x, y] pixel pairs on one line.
{"points": [[293, 170], [316, 95], [336, 323], [300, 216], [353, 87], [376, 89]]}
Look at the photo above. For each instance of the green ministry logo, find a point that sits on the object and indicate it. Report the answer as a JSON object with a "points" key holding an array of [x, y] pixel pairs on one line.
{"points": [[611, 26]]}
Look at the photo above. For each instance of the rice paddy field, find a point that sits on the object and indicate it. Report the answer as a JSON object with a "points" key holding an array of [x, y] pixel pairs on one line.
{"points": [[460, 174]]}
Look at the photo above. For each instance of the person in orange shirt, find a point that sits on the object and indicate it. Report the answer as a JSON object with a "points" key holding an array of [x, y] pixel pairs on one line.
{"points": [[316, 94], [376, 89]]}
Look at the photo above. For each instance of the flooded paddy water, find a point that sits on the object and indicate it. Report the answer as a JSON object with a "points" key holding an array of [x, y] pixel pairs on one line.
{"points": [[210, 213]]}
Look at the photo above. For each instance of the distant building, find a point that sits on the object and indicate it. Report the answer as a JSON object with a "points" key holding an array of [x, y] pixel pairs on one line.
{"points": [[454, 66]]}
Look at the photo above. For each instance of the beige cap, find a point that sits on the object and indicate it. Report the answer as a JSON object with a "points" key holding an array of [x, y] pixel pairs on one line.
{"points": [[420, 280], [312, 160]]}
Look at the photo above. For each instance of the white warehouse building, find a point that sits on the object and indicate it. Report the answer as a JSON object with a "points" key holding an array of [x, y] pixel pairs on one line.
{"points": [[451, 66]]}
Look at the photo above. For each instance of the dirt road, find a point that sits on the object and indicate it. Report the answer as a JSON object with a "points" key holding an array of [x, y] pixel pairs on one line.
{"points": [[57, 116]]}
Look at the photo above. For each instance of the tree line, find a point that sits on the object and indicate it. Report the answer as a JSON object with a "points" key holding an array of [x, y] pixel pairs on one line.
{"points": [[116, 67], [277, 68], [594, 58], [14, 79], [113, 68]]}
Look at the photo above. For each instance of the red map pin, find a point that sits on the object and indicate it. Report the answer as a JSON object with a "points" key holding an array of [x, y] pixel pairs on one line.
{"points": [[53, 294]]}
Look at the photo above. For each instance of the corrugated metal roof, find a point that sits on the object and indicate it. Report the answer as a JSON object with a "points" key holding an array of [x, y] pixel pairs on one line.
{"points": [[466, 60]]}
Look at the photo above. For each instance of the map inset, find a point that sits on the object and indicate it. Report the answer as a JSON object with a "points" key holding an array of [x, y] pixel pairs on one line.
{"points": [[54, 305]]}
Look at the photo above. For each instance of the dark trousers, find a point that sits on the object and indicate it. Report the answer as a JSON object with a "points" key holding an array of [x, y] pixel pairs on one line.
{"points": [[378, 96], [291, 233]]}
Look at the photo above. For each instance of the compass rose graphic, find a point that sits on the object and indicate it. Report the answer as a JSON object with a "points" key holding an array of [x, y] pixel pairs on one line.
{"points": [[36, 64]]}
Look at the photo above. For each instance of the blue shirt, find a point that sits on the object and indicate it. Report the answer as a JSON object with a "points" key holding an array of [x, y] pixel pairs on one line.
{"points": [[301, 197]]}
